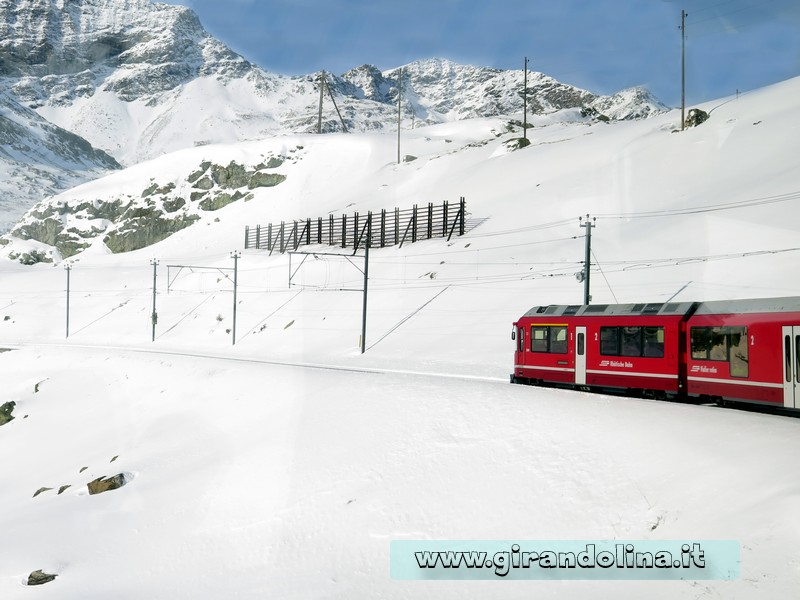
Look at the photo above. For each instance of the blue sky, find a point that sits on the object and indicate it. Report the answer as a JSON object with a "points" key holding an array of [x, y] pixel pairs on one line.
{"points": [[600, 45]]}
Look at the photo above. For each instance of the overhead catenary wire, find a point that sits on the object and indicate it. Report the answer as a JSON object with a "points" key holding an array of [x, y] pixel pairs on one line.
{"points": [[556, 268], [406, 318], [786, 197], [188, 313], [600, 268], [721, 15], [265, 319], [566, 269]]}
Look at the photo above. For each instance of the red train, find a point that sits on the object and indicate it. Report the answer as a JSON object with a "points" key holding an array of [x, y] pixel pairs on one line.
{"points": [[736, 350]]}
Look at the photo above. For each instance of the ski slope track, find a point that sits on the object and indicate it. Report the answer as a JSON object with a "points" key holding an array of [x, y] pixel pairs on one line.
{"points": [[284, 465]]}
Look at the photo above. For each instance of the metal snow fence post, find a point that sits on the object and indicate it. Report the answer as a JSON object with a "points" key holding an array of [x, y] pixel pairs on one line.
{"points": [[154, 315], [68, 268], [463, 204], [430, 220], [383, 228], [366, 283], [235, 256]]}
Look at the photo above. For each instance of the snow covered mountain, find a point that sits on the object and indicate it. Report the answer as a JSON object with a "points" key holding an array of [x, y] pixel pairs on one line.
{"points": [[138, 79], [39, 159], [115, 71], [632, 103], [445, 91]]}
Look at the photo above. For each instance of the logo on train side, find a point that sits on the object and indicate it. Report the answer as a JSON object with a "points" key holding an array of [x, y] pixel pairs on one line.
{"points": [[617, 363], [703, 369]]}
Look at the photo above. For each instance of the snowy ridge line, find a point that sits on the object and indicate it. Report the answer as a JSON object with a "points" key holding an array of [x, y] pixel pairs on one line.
{"points": [[246, 359]]}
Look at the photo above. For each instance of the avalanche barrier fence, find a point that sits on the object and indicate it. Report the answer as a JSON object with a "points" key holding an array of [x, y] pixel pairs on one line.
{"points": [[389, 228]]}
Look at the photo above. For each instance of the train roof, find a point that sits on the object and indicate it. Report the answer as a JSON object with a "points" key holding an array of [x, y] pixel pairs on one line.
{"points": [[754, 305], [676, 309], [714, 307]]}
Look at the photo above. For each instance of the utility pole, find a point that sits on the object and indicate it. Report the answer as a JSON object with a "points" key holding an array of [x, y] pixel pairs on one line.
{"points": [[525, 102], [235, 256], [338, 112], [587, 265], [154, 316], [321, 91], [684, 14], [399, 96], [366, 282], [68, 268]]}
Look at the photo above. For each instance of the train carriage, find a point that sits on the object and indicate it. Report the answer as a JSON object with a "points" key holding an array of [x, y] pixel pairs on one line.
{"points": [[746, 350], [617, 347], [737, 350]]}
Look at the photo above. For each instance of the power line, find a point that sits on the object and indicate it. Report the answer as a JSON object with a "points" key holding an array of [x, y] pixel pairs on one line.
{"points": [[707, 8], [541, 226], [719, 16], [705, 209], [597, 262]]}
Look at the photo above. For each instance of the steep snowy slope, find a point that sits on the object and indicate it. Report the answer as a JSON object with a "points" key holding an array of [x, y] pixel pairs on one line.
{"points": [[647, 185], [38, 159], [284, 465]]}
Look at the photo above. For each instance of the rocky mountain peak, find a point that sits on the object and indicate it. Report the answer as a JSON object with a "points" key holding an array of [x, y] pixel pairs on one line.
{"points": [[138, 79], [449, 90], [62, 49], [370, 83], [632, 103]]}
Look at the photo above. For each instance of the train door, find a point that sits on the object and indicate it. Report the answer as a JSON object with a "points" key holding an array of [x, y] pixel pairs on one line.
{"points": [[580, 355], [791, 366]]}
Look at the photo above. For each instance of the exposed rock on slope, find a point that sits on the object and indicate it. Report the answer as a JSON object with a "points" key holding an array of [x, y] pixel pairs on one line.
{"points": [[126, 222]]}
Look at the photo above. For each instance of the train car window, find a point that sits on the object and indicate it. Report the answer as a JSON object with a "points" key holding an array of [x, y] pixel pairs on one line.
{"points": [[539, 339], [797, 358], [787, 352], [551, 339], [701, 337], [654, 342], [718, 346], [737, 342], [631, 341], [609, 341], [724, 344], [581, 344], [521, 339], [558, 340]]}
